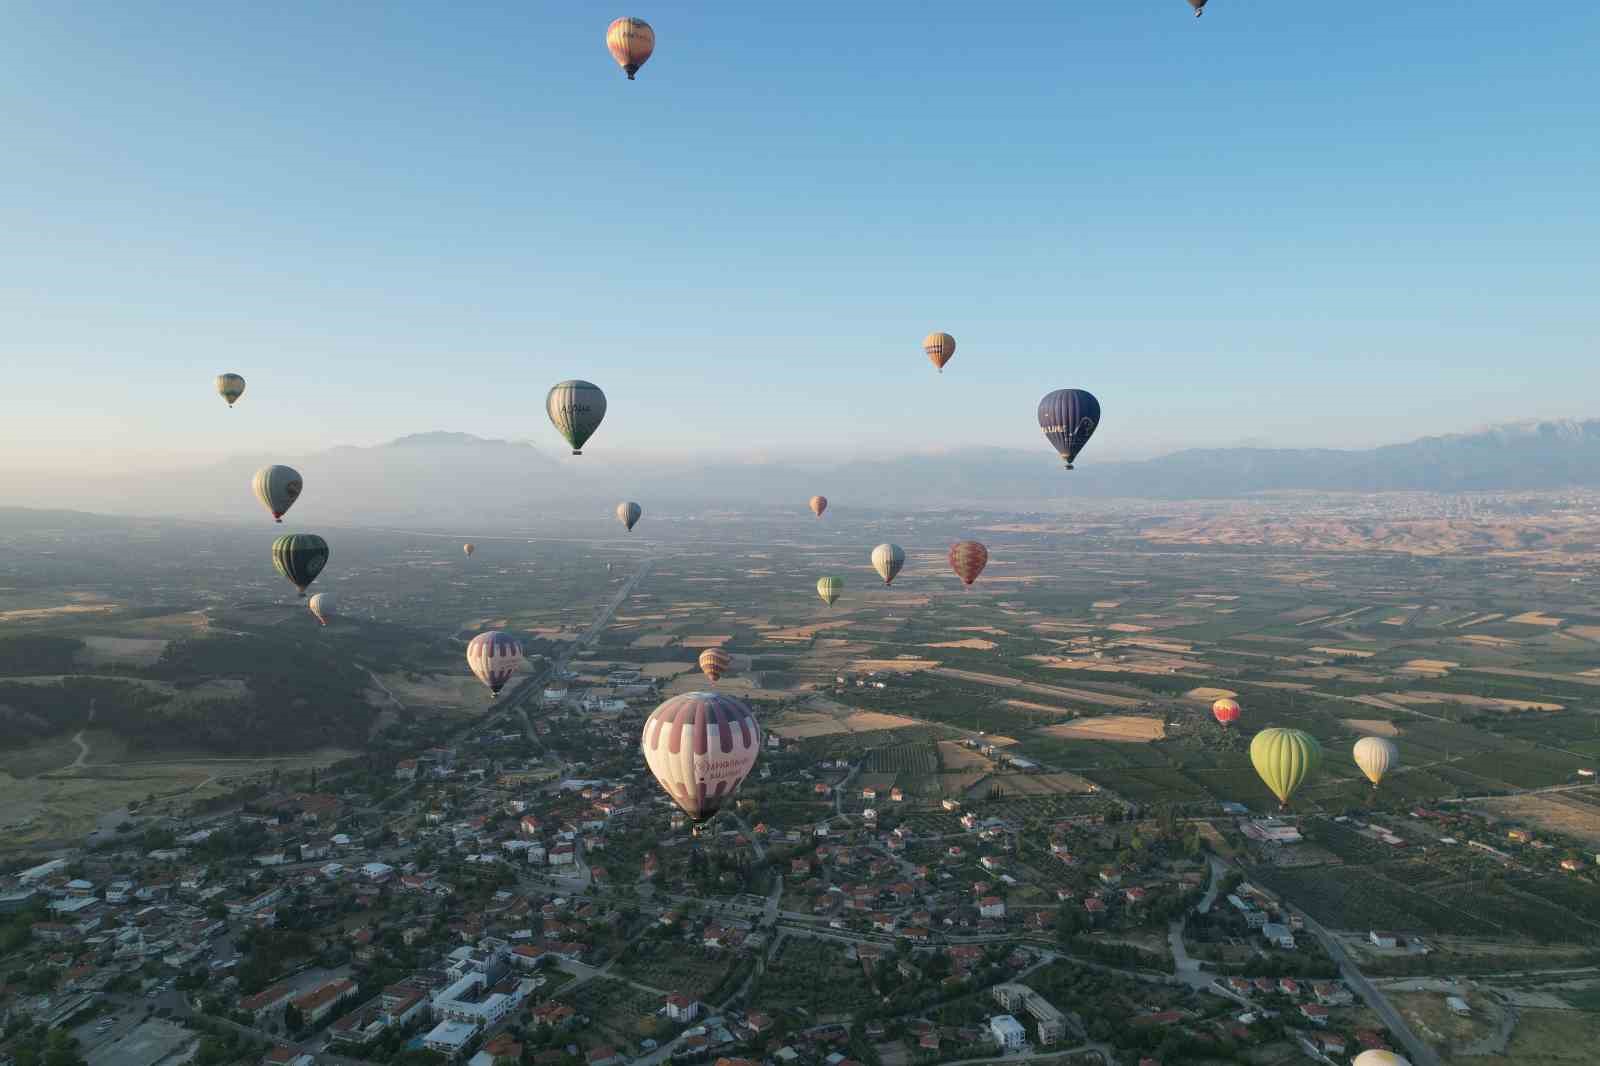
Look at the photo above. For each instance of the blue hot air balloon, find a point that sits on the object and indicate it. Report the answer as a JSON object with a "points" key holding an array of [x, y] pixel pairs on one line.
{"points": [[1069, 418]]}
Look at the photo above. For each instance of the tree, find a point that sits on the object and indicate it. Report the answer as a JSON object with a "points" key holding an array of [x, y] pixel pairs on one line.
{"points": [[293, 1020]]}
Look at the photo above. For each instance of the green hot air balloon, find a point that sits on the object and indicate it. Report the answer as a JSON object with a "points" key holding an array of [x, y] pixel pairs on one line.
{"points": [[575, 409], [1284, 758], [230, 387], [300, 557], [829, 588]]}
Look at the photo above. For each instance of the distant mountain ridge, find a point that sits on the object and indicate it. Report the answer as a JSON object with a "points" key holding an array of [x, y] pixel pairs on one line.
{"points": [[443, 479]]}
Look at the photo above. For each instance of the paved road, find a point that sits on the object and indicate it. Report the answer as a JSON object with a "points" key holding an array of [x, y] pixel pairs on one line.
{"points": [[1418, 1051]]}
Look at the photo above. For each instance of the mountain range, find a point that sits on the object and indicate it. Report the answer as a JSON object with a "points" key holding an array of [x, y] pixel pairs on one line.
{"points": [[444, 480]]}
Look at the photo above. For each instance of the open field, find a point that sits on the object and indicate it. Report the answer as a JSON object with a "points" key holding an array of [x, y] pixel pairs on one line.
{"points": [[1044, 784], [1545, 1038], [800, 724], [971, 643], [897, 666], [1038, 708], [137, 651], [1210, 695], [1372, 727], [1575, 814], [1124, 728], [435, 692], [958, 757], [1055, 691]]}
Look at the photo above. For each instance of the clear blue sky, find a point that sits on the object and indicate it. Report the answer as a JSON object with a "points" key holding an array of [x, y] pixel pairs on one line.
{"points": [[1291, 222]]}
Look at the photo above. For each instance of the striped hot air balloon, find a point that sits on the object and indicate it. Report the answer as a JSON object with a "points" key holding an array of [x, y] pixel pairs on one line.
{"points": [[576, 408], [1284, 758], [230, 387], [277, 487], [818, 504], [829, 588], [700, 746], [300, 557], [1376, 757], [967, 559], [887, 560], [631, 41], [1069, 418], [628, 513], [493, 657], [323, 607], [1225, 711], [939, 347], [714, 662]]}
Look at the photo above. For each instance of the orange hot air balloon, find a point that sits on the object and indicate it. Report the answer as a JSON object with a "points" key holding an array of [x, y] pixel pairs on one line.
{"points": [[967, 559], [1225, 711], [714, 662], [940, 347], [818, 505], [631, 41]]}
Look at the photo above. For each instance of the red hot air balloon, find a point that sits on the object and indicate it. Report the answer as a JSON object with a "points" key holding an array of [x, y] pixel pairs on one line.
{"points": [[967, 559], [818, 505], [630, 42], [1225, 711], [714, 662], [700, 746]]}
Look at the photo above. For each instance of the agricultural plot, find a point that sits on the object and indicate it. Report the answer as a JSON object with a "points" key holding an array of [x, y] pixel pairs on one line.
{"points": [[1122, 728], [672, 968], [621, 1013], [1575, 815], [814, 975]]}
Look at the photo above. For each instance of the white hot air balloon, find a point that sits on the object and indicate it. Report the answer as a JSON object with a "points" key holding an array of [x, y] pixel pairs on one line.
{"points": [[1376, 757]]}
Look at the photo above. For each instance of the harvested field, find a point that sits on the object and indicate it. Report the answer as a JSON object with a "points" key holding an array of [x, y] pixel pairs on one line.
{"points": [[894, 666], [1105, 605], [705, 642], [653, 640], [958, 757], [665, 670], [1488, 703], [990, 630], [1576, 815], [1127, 627], [1038, 708], [434, 691], [1372, 727], [973, 643], [954, 786], [807, 632], [39, 614], [1534, 618], [134, 651], [1043, 784], [1437, 667], [1341, 652], [1209, 694], [1123, 728], [802, 724], [1054, 691], [1479, 620]]}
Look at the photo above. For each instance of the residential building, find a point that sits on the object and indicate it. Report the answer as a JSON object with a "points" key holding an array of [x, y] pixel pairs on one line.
{"points": [[320, 1002], [450, 1038], [1052, 1023], [1007, 1032], [1383, 940], [991, 907], [1277, 935], [680, 1008], [287, 1056], [267, 1002]]}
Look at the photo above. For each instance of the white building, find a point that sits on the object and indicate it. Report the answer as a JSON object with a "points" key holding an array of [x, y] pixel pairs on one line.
{"points": [[1277, 935], [1007, 1032], [470, 999], [377, 872], [450, 1038], [680, 1008]]}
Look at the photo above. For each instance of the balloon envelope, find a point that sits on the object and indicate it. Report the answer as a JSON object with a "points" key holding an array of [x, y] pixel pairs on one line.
{"points": [[630, 41], [300, 557], [967, 559], [1284, 758], [1199, 7], [230, 387], [1376, 757], [818, 505], [323, 606], [1380, 1057], [628, 513], [468, 548], [493, 657], [1225, 711], [700, 746], [939, 347], [887, 560], [576, 408], [1069, 418], [277, 487], [829, 588], [714, 662]]}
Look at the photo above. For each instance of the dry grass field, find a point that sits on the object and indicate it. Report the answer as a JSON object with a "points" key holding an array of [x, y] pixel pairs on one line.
{"points": [[1044, 784], [827, 722], [1422, 698], [808, 631], [134, 651], [1054, 691], [959, 758], [1534, 618], [435, 692], [1209, 695], [705, 641], [1123, 728], [1038, 708], [894, 666], [1372, 727], [1571, 815], [974, 643]]}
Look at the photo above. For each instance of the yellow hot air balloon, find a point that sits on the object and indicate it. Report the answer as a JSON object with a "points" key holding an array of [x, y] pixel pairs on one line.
{"points": [[630, 42], [829, 588], [714, 662], [939, 347], [1380, 1057], [1284, 758], [1376, 757]]}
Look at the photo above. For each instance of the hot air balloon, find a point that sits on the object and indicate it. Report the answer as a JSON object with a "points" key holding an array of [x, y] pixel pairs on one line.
{"points": [[940, 347], [277, 487], [608, 568], [576, 408], [967, 559], [323, 606], [714, 662], [829, 588], [628, 513], [887, 559], [1199, 7], [818, 505], [230, 387], [1225, 711], [494, 656], [300, 557], [700, 746], [1376, 757], [1068, 418], [1380, 1057], [1284, 758], [468, 548], [631, 41]]}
